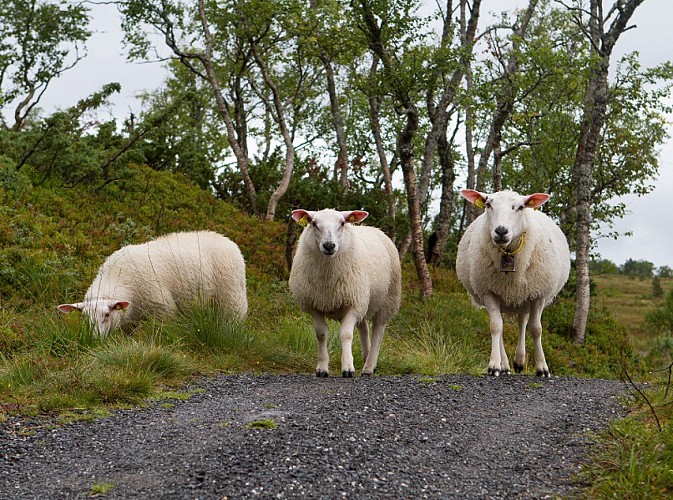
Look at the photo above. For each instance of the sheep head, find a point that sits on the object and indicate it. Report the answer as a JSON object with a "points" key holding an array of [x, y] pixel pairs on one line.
{"points": [[104, 315], [328, 227], [505, 212]]}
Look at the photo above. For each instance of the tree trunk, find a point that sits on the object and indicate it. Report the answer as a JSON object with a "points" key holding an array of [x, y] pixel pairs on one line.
{"points": [[497, 163], [341, 166], [223, 109], [405, 148], [285, 132], [380, 148], [471, 211], [505, 101], [342, 156], [595, 104], [443, 225], [439, 114]]}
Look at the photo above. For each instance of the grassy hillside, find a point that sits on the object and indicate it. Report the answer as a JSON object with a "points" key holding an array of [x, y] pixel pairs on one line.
{"points": [[53, 239], [629, 299]]}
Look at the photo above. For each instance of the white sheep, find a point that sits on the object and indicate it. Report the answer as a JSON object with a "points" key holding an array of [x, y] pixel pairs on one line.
{"points": [[158, 277], [347, 273], [513, 259]]}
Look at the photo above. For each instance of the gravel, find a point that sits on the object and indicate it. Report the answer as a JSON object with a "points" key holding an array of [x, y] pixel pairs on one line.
{"points": [[375, 437]]}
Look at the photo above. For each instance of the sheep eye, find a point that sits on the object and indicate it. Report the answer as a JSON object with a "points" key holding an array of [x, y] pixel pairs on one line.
{"points": [[487, 204], [520, 208], [314, 224], [343, 223]]}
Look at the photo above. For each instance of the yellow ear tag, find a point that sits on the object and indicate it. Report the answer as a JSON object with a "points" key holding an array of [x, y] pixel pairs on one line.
{"points": [[303, 221], [479, 203], [351, 218], [531, 202]]}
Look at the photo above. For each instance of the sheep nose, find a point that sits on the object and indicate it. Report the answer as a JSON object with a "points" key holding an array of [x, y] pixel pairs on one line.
{"points": [[501, 231], [328, 246]]}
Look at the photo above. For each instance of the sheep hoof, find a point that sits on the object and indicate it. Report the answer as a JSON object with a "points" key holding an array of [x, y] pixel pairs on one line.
{"points": [[517, 367], [347, 374], [542, 373], [367, 374], [505, 371], [495, 372], [321, 373]]}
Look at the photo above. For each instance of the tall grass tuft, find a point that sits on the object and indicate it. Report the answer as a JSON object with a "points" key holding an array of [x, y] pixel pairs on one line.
{"points": [[634, 458], [205, 328], [142, 357], [63, 337]]}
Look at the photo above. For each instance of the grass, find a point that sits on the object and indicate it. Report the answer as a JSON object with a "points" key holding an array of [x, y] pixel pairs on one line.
{"points": [[634, 459], [101, 489], [265, 423], [53, 239], [628, 300]]}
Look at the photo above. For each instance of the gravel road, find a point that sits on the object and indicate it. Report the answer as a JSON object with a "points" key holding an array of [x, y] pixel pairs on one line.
{"points": [[377, 437]]}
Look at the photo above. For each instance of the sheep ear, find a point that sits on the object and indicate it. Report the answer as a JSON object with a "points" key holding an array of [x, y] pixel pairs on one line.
{"points": [[355, 216], [302, 217], [474, 197], [536, 200], [68, 308], [120, 305]]}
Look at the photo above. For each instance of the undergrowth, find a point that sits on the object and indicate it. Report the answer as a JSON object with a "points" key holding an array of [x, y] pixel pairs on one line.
{"points": [[53, 239], [634, 458]]}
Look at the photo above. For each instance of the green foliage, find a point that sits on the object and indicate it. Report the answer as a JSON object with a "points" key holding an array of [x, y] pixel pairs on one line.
{"points": [[634, 458], [40, 41], [102, 488], [661, 318], [265, 423], [657, 290], [603, 266], [665, 272], [637, 269], [54, 238]]}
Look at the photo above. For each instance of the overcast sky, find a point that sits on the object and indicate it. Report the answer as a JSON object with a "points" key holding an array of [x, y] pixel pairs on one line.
{"points": [[650, 218]]}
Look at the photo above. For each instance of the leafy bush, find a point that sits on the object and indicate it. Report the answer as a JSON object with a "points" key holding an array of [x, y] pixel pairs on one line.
{"points": [[54, 238]]}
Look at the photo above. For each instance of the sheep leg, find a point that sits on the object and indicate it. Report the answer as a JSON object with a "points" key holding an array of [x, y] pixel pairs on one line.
{"points": [[520, 354], [377, 338], [541, 368], [320, 325], [363, 329], [492, 304], [504, 360], [346, 334]]}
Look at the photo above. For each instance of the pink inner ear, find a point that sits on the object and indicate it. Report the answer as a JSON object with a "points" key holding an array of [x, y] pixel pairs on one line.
{"points": [[471, 195], [298, 214], [537, 200], [355, 216], [120, 306], [67, 308]]}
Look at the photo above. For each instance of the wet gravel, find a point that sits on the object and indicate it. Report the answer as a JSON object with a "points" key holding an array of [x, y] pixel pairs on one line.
{"points": [[376, 437]]}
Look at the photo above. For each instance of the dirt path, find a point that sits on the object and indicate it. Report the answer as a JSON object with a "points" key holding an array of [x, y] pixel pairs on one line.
{"points": [[380, 437]]}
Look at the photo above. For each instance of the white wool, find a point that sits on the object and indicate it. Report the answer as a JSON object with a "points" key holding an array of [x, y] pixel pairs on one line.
{"points": [[362, 278], [160, 276], [541, 255], [542, 264]]}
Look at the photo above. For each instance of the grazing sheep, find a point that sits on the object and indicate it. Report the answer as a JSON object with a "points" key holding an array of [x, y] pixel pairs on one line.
{"points": [[346, 273], [513, 259], [162, 275]]}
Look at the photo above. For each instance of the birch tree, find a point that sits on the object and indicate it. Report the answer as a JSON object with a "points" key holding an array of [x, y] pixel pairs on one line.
{"points": [[603, 30]]}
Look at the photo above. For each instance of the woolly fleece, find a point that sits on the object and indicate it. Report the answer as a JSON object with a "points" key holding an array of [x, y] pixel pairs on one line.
{"points": [[542, 264]]}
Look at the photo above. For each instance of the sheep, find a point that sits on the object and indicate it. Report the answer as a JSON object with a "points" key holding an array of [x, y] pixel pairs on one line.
{"points": [[158, 277], [347, 273], [512, 259]]}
